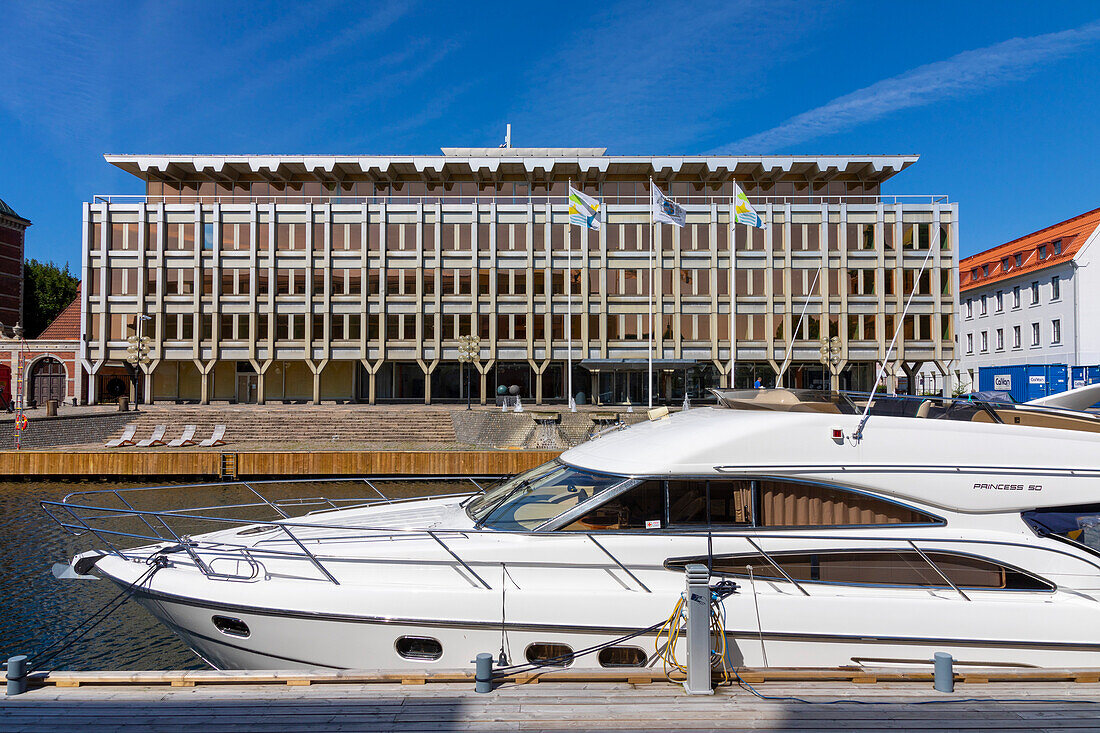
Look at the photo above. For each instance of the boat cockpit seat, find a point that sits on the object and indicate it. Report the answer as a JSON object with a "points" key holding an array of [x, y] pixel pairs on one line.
{"points": [[776, 397], [829, 408]]}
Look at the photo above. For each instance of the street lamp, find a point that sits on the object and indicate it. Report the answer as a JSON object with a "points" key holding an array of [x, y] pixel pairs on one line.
{"points": [[469, 350], [137, 354], [830, 355]]}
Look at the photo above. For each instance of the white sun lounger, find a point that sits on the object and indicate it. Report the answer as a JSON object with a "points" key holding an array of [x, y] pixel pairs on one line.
{"points": [[126, 439], [215, 438], [185, 439], [157, 438]]}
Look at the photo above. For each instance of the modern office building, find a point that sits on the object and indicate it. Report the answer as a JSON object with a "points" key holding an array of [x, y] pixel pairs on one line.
{"points": [[351, 278], [1032, 300]]}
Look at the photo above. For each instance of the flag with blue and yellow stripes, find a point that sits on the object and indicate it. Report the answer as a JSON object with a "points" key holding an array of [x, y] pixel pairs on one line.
{"points": [[583, 209]]}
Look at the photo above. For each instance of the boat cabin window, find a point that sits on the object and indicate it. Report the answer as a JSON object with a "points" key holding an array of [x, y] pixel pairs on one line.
{"points": [[798, 504], [642, 507], [730, 503], [525, 501], [878, 568], [1080, 523], [684, 503]]}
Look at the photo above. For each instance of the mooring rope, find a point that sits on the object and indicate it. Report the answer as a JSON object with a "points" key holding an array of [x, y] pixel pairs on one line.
{"points": [[40, 658]]}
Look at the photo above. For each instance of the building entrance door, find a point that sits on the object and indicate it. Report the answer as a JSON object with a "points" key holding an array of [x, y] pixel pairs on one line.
{"points": [[47, 381], [246, 388]]}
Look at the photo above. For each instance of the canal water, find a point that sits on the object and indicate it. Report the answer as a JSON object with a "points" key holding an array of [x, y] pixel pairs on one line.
{"points": [[38, 609]]}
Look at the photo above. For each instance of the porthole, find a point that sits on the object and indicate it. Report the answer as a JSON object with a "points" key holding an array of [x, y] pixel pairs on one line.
{"points": [[231, 626], [551, 655], [622, 656], [419, 648]]}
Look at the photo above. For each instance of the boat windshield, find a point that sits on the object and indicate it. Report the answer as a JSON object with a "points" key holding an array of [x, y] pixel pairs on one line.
{"points": [[1079, 523], [525, 501]]}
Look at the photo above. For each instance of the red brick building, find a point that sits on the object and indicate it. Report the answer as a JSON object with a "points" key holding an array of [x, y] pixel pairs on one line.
{"points": [[51, 369], [12, 229]]}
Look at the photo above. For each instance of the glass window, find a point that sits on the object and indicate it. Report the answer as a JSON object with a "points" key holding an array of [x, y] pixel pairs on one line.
{"points": [[985, 341], [1016, 296], [969, 308], [642, 507], [729, 502], [970, 343], [1019, 260], [1035, 334], [1034, 293], [525, 501], [1042, 251], [796, 504], [903, 568], [1055, 288], [1057, 244], [1000, 339], [1015, 337], [985, 306], [1056, 331], [1000, 300]]}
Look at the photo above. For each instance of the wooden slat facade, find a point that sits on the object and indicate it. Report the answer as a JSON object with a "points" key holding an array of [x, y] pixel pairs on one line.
{"points": [[165, 463]]}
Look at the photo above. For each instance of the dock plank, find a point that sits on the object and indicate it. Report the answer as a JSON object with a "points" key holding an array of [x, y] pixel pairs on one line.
{"points": [[551, 705]]}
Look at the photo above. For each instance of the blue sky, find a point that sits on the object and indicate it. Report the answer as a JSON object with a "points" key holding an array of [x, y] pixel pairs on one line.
{"points": [[1000, 99]]}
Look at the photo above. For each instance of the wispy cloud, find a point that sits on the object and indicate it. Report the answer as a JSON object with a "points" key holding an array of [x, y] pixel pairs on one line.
{"points": [[382, 16], [967, 73], [654, 76], [51, 71]]}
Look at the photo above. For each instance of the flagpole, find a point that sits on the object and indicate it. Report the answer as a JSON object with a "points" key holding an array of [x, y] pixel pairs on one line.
{"points": [[651, 248], [569, 300]]}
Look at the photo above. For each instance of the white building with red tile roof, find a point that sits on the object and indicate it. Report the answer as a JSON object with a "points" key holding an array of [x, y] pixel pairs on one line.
{"points": [[1034, 300]]}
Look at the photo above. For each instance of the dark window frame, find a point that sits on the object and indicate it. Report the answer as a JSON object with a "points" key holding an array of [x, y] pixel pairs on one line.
{"points": [[677, 563], [755, 505]]}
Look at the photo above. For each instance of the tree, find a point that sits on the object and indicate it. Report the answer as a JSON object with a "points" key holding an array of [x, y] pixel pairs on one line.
{"points": [[47, 290]]}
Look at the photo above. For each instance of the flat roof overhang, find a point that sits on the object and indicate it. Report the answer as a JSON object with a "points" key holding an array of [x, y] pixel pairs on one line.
{"points": [[633, 365], [525, 164]]}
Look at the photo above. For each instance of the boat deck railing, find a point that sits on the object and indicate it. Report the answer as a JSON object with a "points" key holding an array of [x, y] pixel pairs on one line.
{"points": [[110, 515], [933, 407]]}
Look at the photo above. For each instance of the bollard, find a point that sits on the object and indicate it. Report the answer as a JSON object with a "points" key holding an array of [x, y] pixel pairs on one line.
{"points": [[17, 675], [483, 673], [698, 680], [944, 675]]}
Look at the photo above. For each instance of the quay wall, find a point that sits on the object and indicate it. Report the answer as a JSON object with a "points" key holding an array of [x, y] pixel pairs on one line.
{"points": [[63, 430], [254, 464]]}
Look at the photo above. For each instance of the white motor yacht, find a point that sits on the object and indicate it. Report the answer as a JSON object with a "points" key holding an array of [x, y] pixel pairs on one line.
{"points": [[941, 525]]}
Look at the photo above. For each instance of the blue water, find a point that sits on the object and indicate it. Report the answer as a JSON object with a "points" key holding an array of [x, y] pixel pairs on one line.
{"points": [[37, 608]]}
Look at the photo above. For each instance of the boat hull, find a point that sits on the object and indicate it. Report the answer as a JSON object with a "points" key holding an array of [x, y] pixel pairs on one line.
{"points": [[287, 639]]}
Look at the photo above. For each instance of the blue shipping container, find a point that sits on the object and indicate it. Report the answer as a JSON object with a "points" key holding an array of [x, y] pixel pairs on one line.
{"points": [[1085, 375], [1025, 382]]}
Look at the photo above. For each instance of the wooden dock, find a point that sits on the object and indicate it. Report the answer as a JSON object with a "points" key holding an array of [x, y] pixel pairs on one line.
{"points": [[557, 701], [255, 464]]}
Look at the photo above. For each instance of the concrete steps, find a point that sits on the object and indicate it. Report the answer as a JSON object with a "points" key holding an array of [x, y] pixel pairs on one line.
{"points": [[307, 424]]}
